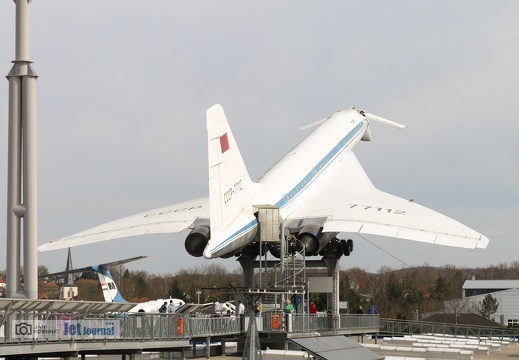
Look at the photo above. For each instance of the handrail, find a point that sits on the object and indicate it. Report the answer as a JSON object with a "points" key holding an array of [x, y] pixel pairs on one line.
{"points": [[403, 327], [294, 256], [36, 328]]}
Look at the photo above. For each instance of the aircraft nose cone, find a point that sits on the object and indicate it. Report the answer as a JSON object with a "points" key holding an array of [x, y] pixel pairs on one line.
{"points": [[207, 253]]}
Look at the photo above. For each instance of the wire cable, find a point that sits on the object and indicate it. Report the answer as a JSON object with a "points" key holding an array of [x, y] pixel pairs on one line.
{"points": [[387, 252]]}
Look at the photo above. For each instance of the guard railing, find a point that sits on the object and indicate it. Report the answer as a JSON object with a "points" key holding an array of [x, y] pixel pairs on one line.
{"points": [[410, 327], [48, 327]]}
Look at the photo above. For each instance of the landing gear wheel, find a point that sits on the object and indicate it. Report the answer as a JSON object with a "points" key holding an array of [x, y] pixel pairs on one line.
{"points": [[345, 248]]}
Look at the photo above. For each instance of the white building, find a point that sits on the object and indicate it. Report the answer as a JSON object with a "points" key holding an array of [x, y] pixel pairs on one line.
{"points": [[506, 292], [2, 286]]}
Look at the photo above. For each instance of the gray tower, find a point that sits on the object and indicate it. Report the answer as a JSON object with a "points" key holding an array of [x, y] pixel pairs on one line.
{"points": [[22, 217]]}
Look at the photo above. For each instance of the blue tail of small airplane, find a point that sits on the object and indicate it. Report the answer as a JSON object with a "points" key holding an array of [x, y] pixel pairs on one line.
{"points": [[112, 294], [110, 291]]}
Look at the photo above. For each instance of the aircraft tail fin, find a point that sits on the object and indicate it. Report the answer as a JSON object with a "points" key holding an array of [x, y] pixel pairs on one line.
{"points": [[110, 291], [230, 185]]}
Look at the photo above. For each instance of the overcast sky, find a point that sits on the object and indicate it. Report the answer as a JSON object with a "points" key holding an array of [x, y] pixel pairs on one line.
{"points": [[124, 85]]}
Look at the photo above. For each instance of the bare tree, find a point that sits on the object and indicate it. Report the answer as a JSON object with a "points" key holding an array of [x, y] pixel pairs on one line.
{"points": [[460, 306]]}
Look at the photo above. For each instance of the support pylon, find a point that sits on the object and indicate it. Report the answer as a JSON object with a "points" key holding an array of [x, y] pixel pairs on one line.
{"points": [[252, 348]]}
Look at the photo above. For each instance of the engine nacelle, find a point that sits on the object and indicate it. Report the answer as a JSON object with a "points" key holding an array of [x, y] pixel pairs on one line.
{"points": [[197, 240], [313, 239], [275, 250]]}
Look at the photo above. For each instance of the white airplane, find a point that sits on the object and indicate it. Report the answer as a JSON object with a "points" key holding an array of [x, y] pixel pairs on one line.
{"points": [[110, 291], [319, 188]]}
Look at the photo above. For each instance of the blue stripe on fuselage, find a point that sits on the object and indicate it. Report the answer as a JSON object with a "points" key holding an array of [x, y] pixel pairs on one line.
{"points": [[320, 167], [305, 182]]}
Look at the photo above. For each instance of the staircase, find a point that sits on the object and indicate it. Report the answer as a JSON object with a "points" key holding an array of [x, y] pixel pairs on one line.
{"points": [[288, 276], [292, 274]]}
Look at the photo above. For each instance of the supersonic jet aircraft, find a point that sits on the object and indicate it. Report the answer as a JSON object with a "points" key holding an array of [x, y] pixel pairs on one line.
{"points": [[326, 193]]}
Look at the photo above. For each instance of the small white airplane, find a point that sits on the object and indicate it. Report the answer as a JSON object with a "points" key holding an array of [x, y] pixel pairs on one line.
{"points": [[110, 291], [319, 188]]}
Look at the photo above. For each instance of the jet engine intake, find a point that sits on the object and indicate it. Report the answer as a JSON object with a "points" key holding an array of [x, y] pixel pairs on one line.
{"points": [[275, 250], [197, 240]]}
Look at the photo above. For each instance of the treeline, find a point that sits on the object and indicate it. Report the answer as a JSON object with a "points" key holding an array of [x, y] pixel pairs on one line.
{"points": [[395, 293], [398, 293]]}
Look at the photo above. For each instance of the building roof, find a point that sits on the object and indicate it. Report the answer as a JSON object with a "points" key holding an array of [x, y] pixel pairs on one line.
{"points": [[63, 306], [336, 348], [491, 284], [50, 285]]}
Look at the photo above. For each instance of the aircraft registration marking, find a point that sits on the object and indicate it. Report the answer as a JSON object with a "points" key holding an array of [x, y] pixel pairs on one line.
{"points": [[376, 208], [233, 190], [173, 210]]}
